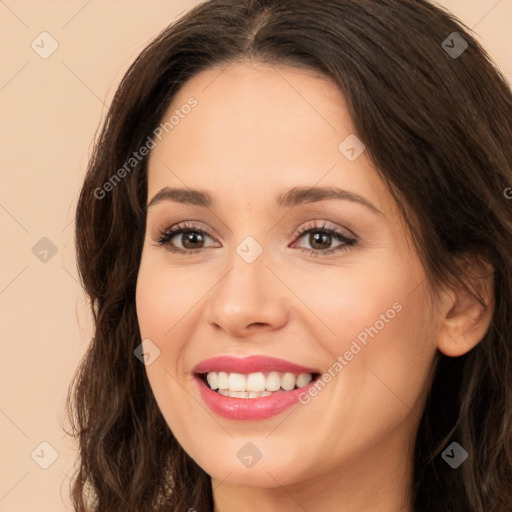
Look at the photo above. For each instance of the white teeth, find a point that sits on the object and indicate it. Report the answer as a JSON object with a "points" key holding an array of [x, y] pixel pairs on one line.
{"points": [[238, 394], [273, 381], [303, 380], [223, 380], [288, 381], [236, 382], [243, 394], [213, 380], [256, 384]]}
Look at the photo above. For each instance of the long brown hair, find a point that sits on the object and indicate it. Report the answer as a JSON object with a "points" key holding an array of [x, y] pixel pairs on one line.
{"points": [[438, 128]]}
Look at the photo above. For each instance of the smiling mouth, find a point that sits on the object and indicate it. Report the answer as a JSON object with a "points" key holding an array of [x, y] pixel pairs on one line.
{"points": [[255, 385]]}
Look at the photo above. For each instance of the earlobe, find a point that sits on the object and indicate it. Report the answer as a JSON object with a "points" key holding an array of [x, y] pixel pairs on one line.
{"points": [[466, 319]]}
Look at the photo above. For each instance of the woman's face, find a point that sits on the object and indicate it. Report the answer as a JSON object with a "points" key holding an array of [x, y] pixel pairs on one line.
{"points": [[265, 143]]}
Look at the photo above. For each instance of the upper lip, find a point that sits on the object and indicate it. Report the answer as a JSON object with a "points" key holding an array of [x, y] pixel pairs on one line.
{"points": [[250, 364]]}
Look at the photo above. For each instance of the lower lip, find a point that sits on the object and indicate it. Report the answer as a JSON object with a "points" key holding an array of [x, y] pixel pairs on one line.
{"points": [[249, 408]]}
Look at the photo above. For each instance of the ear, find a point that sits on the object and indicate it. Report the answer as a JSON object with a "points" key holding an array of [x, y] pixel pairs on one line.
{"points": [[466, 320]]}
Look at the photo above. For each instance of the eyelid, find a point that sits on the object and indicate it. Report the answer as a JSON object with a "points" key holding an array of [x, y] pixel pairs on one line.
{"points": [[322, 226], [343, 235]]}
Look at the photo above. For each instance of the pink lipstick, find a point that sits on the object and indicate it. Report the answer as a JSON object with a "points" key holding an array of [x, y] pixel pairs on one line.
{"points": [[251, 388]]}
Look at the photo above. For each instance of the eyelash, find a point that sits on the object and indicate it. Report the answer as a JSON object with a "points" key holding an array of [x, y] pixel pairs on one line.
{"points": [[164, 238]]}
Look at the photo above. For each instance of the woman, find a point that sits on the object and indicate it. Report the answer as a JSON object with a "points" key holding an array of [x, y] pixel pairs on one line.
{"points": [[296, 236]]}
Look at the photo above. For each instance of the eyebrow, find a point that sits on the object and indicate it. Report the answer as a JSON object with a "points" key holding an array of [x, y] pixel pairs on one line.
{"points": [[293, 197]]}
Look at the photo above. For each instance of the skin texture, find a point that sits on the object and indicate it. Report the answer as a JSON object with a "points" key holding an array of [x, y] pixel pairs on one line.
{"points": [[258, 131]]}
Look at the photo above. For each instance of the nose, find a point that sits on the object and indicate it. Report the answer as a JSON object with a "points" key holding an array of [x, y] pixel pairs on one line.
{"points": [[248, 298]]}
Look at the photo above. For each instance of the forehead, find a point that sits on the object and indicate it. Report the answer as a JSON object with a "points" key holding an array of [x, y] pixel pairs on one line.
{"points": [[256, 130]]}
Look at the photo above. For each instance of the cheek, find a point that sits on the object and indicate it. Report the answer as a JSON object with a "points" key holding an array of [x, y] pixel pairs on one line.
{"points": [[387, 347], [165, 300], [377, 319], [164, 297], [391, 371], [364, 302]]}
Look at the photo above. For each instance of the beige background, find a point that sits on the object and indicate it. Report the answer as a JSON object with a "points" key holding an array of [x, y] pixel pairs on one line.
{"points": [[50, 110]]}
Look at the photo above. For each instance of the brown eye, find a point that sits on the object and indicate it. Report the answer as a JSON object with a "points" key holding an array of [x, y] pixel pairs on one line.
{"points": [[193, 238], [320, 239]]}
